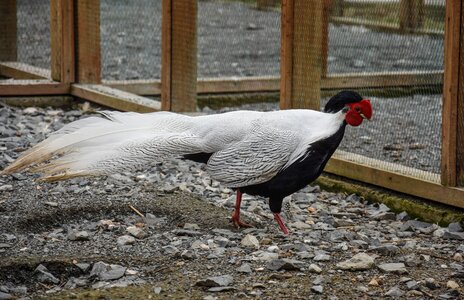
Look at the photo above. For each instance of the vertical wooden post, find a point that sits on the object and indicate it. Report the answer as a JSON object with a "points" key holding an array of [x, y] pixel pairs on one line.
{"points": [[179, 55], [301, 54], [452, 95], [88, 57], [325, 36], [460, 113], [62, 40], [411, 14], [8, 30]]}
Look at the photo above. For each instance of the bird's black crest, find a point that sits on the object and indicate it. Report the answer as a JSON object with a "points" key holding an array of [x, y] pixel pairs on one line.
{"points": [[338, 102]]}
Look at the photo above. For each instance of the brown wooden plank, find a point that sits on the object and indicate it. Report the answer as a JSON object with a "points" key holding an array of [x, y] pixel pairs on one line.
{"points": [[411, 14], [305, 34], [286, 54], [325, 36], [460, 109], [88, 58], [32, 88], [62, 40], [450, 92], [420, 183], [8, 30], [18, 70], [179, 72], [272, 84], [114, 98]]}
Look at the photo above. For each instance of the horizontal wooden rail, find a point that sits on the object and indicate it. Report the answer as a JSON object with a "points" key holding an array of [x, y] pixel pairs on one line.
{"points": [[395, 177], [18, 70], [32, 88], [272, 84], [114, 98]]}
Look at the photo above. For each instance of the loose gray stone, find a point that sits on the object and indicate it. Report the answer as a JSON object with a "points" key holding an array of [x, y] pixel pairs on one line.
{"points": [[386, 249], [318, 289], [157, 290], [284, 264], [125, 240], [188, 254], [216, 281], [171, 250], [431, 284], [98, 268], [394, 292], [250, 241], [191, 226], [412, 285], [221, 289], [245, 268], [83, 266], [5, 296], [185, 232], [115, 272], [398, 268], [453, 235], [78, 235], [44, 276], [455, 227], [313, 268], [322, 257], [359, 262], [136, 232]]}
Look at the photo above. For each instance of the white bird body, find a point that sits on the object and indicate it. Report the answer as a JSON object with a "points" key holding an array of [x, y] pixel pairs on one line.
{"points": [[271, 154]]}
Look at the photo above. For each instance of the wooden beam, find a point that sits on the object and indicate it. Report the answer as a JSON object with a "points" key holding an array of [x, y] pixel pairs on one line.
{"points": [[88, 57], [32, 88], [395, 177], [302, 34], [114, 98], [286, 54], [450, 92], [272, 84], [179, 55], [8, 30], [460, 109], [411, 14], [19, 70], [62, 40], [325, 36]]}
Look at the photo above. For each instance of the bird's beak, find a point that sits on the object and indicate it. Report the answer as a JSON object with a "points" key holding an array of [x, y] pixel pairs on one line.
{"points": [[364, 117]]}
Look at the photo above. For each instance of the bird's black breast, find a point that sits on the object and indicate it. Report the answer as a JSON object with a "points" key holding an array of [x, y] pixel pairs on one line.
{"points": [[300, 173]]}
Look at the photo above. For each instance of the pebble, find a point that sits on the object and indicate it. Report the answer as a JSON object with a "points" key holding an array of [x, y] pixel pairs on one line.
{"points": [[318, 289], [136, 232], [44, 276], [284, 264], [313, 268], [398, 268], [74, 235], [395, 292], [216, 281], [125, 240], [452, 285], [244, 268], [5, 296], [250, 241], [359, 262]]}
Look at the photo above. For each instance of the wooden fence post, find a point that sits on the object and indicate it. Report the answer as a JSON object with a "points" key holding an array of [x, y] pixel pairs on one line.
{"points": [[62, 40], [411, 14], [452, 160], [8, 30], [179, 55], [325, 36], [301, 54], [88, 57]]}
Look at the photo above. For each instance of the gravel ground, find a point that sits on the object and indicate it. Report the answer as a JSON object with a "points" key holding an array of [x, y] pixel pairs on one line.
{"points": [[81, 238]]}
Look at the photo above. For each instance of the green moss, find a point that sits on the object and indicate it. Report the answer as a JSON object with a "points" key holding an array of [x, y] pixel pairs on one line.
{"points": [[420, 209]]}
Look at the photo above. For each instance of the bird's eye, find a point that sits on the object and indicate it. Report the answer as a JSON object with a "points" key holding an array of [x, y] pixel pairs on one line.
{"points": [[357, 109]]}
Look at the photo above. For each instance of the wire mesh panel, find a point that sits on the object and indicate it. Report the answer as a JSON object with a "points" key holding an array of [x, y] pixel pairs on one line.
{"points": [[33, 32], [131, 39], [406, 127], [237, 39]]}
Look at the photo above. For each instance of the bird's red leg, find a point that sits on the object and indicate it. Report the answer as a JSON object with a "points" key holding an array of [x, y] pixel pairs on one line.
{"points": [[236, 214], [281, 223]]}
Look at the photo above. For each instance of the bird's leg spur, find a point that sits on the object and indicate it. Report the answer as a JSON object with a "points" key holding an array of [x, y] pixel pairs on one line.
{"points": [[236, 214]]}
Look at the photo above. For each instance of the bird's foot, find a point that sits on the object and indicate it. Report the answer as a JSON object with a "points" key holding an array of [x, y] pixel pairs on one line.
{"points": [[281, 223], [237, 223]]}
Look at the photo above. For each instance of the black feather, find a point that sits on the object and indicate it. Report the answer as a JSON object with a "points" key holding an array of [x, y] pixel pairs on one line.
{"points": [[338, 102]]}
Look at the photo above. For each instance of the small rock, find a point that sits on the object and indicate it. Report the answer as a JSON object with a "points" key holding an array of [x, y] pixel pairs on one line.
{"points": [[245, 268], [360, 261], [250, 241], [84, 267], [216, 281], [188, 254], [221, 289], [452, 285], [6, 187], [284, 264], [453, 235], [431, 283], [78, 235], [387, 249], [398, 268], [394, 292], [98, 268], [157, 290], [322, 257], [455, 227], [451, 295], [191, 226], [5, 296], [318, 289], [185, 232], [313, 268], [44, 276], [125, 240], [136, 232], [412, 285], [374, 282], [115, 272], [458, 257], [299, 225], [52, 204]]}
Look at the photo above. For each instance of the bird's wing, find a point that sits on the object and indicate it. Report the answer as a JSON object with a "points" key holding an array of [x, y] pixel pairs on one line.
{"points": [[255, 159]]}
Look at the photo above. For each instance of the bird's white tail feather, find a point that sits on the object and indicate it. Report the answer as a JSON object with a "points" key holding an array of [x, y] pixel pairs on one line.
{"points": [[96, 146]]}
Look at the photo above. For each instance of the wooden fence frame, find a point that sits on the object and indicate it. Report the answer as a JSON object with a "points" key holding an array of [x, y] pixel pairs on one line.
{"points": [[76, 66]]}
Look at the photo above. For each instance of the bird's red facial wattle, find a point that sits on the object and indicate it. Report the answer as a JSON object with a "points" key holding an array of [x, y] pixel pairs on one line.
{"points": [[358, 111]]}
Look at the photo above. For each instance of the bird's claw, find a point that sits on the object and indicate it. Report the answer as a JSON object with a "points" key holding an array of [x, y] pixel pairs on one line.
{"points": [[239, 224]]}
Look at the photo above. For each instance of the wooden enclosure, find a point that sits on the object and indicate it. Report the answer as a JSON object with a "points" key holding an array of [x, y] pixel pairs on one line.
{"points": [[76, 70]]}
